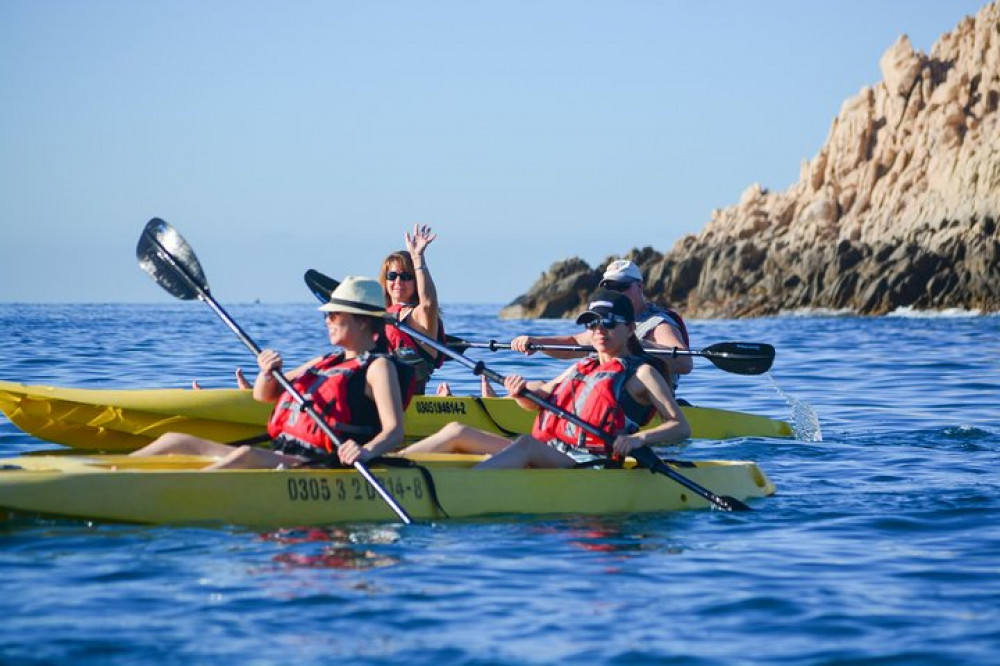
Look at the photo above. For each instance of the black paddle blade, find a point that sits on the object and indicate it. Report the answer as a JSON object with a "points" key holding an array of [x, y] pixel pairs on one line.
{"points": [[320, 285], [741, 358], [167, 258], [456, 344]]}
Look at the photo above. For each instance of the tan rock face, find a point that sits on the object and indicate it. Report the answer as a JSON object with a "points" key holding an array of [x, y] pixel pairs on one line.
{"points": [[899, 207]]}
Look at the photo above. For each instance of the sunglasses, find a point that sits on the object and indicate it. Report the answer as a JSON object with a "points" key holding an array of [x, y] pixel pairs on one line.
{"points": [[609, 323], [615, 285], [405, 276]]}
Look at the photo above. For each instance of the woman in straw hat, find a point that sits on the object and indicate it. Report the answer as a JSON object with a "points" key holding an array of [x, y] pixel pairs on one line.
{"points": [[356, 390]]}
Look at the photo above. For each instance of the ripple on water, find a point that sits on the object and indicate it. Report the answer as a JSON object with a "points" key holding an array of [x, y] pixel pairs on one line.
{"points": [[880, 546]]}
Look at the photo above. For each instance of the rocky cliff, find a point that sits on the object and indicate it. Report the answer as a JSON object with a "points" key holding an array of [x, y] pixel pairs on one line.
{"points": [[899, 208]]}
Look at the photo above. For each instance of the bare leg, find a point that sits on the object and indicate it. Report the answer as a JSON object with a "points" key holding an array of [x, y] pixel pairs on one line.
{"points": [[251, 457], [179, 443], [526, 451], [459, 438]]}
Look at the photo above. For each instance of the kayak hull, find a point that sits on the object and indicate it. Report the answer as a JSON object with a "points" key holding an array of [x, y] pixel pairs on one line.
{"points": [[173, 490], [125, 420]]}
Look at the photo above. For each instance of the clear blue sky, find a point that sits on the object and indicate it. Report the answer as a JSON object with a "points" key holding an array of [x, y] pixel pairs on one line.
{"points": [[281, 136]]}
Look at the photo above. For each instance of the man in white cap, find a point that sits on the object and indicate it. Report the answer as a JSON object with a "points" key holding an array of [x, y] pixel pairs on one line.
{"points": [[656, 327]]}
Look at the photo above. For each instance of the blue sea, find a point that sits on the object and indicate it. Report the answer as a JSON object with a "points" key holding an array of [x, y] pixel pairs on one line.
{"points": [[881, 546]]}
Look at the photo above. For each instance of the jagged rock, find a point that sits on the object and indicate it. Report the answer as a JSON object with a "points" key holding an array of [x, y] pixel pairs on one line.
{"points": [[898, 208], [565, 286]]}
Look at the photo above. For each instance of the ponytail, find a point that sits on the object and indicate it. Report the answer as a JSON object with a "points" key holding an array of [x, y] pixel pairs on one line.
{"points": [[635, 348]]}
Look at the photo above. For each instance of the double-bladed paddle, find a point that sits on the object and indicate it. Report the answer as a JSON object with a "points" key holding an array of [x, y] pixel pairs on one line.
{"points": [[318, 282], [741, 358], [644, 455], [170, 261]]}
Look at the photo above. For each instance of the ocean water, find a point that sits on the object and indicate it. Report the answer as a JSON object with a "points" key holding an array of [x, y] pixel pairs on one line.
{"points": [[882, 545]]}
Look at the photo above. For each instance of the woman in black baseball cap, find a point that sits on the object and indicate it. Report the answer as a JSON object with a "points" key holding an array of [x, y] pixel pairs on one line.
{"points": [[618, 389]]}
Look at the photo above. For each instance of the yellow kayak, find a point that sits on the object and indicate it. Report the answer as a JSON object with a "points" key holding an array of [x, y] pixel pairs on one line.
{"points": [[172, 489], [124, 420]]}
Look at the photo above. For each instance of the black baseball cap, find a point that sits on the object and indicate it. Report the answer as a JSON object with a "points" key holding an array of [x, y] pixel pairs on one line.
{"points": [[605, 303]]}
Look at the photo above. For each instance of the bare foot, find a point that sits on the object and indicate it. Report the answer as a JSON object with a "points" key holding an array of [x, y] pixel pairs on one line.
{"points": [[241, 380]]}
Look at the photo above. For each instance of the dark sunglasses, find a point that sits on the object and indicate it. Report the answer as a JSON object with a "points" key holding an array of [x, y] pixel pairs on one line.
{"points": [[608, 323], [405, 276], [615, 286]]}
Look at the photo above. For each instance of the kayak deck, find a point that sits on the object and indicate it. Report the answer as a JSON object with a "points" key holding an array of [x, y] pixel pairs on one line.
{"points": [[173, 489], [124, 420]]}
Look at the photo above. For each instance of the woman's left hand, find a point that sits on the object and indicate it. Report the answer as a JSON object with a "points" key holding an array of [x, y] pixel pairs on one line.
{"points": [[418, 242], [349, 453], [625, 444]]}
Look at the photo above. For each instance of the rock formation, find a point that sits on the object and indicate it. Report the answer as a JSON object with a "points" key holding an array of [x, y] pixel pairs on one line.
{"points": [[899, 208]]}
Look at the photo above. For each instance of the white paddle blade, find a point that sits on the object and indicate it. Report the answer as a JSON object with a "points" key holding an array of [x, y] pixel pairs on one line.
{"points": [[168, 259]]}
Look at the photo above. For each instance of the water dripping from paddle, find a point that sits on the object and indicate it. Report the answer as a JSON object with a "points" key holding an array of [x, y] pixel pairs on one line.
{"points": [[805, 420]]}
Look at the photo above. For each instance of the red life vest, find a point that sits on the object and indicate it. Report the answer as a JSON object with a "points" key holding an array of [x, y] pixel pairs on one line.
{"points": [[337, 390], [411, 352], [596, 393]]}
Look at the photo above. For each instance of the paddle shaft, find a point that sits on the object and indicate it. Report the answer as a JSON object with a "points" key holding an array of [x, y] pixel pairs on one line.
{"points": [[304, 405], [494, 345], [643, 454], [744, 358]]}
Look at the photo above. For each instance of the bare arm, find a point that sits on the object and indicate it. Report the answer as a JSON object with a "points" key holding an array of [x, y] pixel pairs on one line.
{"points": [[265, 388], [382, 386], [667, 336], [522, 344], [517, 385], [649, 387], [425, 314]]}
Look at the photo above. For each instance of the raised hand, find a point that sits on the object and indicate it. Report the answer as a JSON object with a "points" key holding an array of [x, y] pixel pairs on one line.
{"points": [[418, 242]]}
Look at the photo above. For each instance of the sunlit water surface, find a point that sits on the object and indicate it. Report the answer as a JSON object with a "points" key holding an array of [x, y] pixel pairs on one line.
{"points": [[881, 546]]}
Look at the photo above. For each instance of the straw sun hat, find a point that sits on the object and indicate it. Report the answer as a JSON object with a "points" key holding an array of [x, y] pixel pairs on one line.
{"points": [[357, 295]]}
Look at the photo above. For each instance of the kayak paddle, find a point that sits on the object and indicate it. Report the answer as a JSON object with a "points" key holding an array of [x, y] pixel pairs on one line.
{"points": [[644, 455], [171, 262], [741, 358]]}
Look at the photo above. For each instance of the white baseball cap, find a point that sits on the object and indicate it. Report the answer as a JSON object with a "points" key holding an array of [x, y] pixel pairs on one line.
{"points": [[622, 270]]}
